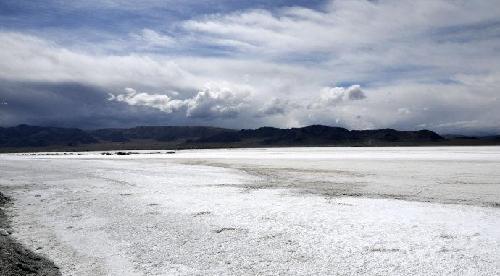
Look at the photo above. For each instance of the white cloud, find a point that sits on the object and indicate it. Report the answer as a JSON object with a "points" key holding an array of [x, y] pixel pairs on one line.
{"points": [[28, 58], [342, 23], [361, 40], [277, 106], [215, 100], [158, 101], [440, 59], [404, 111], [151, 39], [218, 100], [334, 95]]}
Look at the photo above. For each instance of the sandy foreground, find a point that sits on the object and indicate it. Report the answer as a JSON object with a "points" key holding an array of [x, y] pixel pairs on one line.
{"points": [[294, 211]]}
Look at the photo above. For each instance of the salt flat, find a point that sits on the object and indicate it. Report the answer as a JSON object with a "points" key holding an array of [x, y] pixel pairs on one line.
{"points": [[299, 211]]}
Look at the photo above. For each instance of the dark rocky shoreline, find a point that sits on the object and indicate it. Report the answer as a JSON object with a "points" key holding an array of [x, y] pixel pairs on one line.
{"points": [[15, 259]]}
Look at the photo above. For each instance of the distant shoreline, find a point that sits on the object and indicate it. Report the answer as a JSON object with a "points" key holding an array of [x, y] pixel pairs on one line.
{"points": [[130, 151]]}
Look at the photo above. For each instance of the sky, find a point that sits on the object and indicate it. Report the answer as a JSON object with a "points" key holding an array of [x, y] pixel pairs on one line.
{"points": [[244, 64]]}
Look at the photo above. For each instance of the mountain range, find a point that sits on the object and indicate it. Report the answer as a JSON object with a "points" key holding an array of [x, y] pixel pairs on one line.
{"points": [[39, 138]]}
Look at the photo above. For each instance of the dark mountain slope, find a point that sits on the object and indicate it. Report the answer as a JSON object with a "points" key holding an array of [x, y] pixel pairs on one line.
{"points": [[158, 133], [35, 136], [323, 135]]}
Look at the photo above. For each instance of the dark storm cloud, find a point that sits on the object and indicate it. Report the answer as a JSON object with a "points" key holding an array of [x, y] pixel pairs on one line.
{"points": [[69, 104], [90, 107]]}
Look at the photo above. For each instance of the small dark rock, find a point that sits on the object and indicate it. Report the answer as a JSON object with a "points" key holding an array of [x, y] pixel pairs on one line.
{"points": [[4, 232], [224, 229]]}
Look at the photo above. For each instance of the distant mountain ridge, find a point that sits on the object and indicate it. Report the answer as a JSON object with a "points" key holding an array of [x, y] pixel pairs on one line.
{"points": [[321, 135], [159, 133], [35, 138]]}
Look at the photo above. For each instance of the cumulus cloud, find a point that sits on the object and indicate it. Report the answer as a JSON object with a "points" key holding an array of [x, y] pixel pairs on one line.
{"points": [[215, 100], [277, 106], [158, 101], [224, 100], [334, 95]]}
